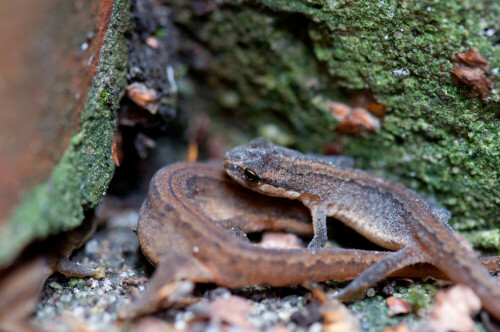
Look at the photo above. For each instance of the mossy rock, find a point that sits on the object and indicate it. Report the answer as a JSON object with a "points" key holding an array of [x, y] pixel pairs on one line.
{"points": [[80, 178]]}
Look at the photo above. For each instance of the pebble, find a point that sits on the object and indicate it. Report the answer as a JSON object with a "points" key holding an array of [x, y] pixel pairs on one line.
{"points": [[65, 298]]}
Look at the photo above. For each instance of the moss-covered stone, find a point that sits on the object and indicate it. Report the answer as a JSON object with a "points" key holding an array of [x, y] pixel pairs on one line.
{"points": [[81, 178], [374, 312], [281, 61]]}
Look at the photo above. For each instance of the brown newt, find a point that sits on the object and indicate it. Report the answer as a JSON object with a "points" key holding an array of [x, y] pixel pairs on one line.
{"points": [[185, 228], [388, 214]]}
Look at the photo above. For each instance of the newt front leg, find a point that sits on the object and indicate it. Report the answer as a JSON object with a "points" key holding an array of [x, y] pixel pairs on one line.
{"points": [[319, 226]]}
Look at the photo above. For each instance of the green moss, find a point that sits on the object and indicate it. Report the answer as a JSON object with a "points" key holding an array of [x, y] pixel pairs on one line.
{"points": [[489, 240], [160, 33], [420, 296], [104, 98], [374, 312], [287, 59], [76, 282], [81, 177]]}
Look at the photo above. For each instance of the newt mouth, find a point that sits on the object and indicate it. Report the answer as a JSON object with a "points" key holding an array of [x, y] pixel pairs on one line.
{"points": [[231, 169]]}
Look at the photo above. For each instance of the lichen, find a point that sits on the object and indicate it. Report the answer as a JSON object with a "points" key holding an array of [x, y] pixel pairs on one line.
{"points": [[282, 60], [81, 177]]}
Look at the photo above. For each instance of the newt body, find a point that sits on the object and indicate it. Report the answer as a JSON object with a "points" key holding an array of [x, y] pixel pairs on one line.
{"points": [[184, 228], [172, 222], [386, 213]]}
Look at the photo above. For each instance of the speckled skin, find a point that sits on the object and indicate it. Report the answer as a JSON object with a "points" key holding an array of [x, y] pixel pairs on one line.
{"points": [[185, 230], [386, 213], [174, 222]]}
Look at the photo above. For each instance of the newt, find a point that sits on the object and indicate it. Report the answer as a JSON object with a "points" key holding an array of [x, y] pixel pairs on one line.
{"points": [[187, 229], [386, 213]]}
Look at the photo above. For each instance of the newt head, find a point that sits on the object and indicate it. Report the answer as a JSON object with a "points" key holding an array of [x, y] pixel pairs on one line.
{"points": [[264, 167]]}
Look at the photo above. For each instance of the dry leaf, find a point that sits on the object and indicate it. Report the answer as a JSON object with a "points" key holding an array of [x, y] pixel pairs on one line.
{"points": [[339, 111], [475, 59], [143, 96], [353, 120], [152, 324], [337, 318], [232, 311], [397, 328], [472, 68], [365, 119], [452, 310], [397, 306], [365, 99]]}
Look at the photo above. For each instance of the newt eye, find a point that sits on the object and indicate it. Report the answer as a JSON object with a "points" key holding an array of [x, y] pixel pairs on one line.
{"points": [[250, 175]]}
